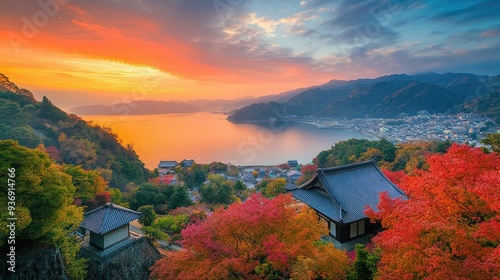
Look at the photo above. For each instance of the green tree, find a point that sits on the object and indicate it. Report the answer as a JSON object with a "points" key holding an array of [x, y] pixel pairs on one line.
{"points": [[24, 119], [24, 134], [217, 167], [262, 186], [365, 264], [355, 150], [117, 197], [240, 190], [146, 194], [11, 114], [43, 197], [88, 183], [193, 176], [275, 187], [217, 191], [50, 112], [493, 140], [148, 215], [172, 224], [155, 235], [179, 198]]}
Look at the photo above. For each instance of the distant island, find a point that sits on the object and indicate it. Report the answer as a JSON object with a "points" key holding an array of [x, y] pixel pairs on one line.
{"points": [[141, 107]]}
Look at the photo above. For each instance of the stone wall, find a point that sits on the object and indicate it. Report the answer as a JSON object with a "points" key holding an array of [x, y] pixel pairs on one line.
{"points": [[33, 261], [131, 262]]}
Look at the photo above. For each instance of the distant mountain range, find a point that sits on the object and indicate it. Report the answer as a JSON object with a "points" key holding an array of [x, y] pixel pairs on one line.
{"points": [[141, 107], [386, 97], [149, 107]]}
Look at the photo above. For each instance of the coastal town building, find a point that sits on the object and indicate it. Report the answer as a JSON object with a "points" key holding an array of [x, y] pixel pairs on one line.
{"points": [[293, 175], [187, 163], [167, 166], [293, 163], [461, 128]]}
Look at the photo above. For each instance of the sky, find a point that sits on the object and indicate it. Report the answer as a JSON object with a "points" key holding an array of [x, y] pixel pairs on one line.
{"points": [[81, 52]]}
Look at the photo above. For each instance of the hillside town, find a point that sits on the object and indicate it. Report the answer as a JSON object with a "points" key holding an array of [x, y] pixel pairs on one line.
{"points": [[460, 128], [250, 176]]}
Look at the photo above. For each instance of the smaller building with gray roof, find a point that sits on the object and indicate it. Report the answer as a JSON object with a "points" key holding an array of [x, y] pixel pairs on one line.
{"points": [[108, 224]]}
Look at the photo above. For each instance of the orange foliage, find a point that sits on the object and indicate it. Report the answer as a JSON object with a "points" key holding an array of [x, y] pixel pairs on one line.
{"points": [[394, 176], [308, 172], [257, 239], [199, 207], [449, 228]]}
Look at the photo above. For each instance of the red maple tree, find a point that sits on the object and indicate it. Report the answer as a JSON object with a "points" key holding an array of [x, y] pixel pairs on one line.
{"points": [[258, 239], [449, 227]]}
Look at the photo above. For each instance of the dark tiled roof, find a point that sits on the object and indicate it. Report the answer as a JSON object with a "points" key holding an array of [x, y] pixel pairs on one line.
{"points": [[108, 217], [188, 162], [350, 188], [319, 201], [167, 164]]}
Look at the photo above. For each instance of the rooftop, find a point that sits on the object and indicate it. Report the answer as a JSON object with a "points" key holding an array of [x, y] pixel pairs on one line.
{"points": [[349, 188], [167, 164], [188, 162], [107, 218]]}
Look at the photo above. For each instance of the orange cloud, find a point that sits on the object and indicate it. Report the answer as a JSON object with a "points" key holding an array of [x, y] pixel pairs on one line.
{"points": [[98, 29], [80, 49]]}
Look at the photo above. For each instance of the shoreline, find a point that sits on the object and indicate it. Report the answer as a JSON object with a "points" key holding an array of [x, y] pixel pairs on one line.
{"points": [[337, 127]]}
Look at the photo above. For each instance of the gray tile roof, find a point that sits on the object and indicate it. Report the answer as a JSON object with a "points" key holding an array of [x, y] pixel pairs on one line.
{"points": [[187, 162], [350, 188], [108, 217], [167, 164], [319, 201]]}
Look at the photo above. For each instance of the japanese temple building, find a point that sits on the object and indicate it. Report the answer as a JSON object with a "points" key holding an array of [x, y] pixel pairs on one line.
{"points": [[108, 224], [340, 195]]}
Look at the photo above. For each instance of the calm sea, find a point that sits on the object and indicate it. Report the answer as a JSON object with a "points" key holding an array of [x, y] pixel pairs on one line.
{"points": [[207, 137]]}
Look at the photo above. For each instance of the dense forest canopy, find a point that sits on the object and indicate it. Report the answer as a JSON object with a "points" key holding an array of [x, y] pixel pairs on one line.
{"points": [[69, 139]]}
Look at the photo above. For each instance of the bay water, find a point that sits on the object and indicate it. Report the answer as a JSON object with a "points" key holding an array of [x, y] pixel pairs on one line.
{"points": [[206, 137]]}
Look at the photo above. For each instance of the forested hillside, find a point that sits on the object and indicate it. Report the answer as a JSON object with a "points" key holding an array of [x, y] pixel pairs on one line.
{"points": [[387, 97], [67, 138]]}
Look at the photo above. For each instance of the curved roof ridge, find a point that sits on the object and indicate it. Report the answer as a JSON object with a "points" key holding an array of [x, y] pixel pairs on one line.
{"points": [[350, 189], [330, 194], [333, 169], [118, 207], [348, 166], [390, 182]]}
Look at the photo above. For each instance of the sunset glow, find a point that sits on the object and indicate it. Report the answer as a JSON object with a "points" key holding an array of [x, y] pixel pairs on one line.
{"points": [[87, 52]]}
